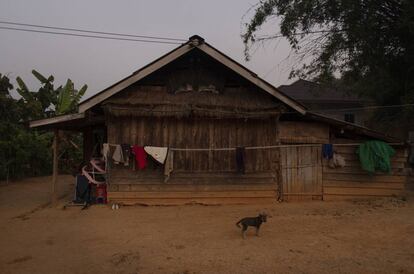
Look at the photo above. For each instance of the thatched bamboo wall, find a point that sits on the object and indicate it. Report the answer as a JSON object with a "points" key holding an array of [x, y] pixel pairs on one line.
{"points": [[155, 101]]}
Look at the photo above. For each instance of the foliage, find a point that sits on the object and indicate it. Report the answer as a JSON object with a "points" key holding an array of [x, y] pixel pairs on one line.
{"points": [[369, 42], [28, 153], [22, 153], [68, 97], [48, 100]]}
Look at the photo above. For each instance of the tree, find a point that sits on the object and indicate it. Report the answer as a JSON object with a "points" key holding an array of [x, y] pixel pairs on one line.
{"points": [[369, 44], [24, 152]]}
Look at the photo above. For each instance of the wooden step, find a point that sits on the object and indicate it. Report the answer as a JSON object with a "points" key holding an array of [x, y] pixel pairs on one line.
{"points": [[188, 201], [190, 187], [190, 197]]}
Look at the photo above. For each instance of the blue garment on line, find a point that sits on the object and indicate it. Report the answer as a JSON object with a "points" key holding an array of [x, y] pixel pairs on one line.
{"points": [[327, 151]]}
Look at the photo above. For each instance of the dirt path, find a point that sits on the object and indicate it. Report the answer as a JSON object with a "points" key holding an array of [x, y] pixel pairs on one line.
{"points": [[320, 237]]}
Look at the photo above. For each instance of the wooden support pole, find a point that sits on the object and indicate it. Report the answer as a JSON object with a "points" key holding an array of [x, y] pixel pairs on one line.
{"points": [[87, 144], [55, 168]]}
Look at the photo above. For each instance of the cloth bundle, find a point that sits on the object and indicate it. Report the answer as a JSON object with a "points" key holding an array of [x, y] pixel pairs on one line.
{"points": [[375, 155]]}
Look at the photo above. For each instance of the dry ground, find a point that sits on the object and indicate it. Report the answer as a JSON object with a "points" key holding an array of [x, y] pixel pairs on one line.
{"points": [[318, 237]]}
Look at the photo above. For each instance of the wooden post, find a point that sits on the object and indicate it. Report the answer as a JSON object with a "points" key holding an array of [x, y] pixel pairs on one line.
{"points": [[55, 168], [87, 144]]}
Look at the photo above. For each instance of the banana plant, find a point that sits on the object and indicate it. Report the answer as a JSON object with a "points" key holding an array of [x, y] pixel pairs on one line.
{"points": [[49, 99], [69, 97]]}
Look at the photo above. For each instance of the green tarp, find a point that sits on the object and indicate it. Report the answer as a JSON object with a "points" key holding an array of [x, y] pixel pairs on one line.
{"points": [[375, 155]]}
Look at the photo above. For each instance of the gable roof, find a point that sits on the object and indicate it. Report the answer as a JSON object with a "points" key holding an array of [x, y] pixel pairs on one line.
{"points": [[194, 42]]}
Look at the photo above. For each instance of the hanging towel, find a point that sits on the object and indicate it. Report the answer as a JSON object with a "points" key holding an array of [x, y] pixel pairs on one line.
{"points": [[375, 155], [327, 151], [169, 165], [158, 153], [140, 157], [117, 156], [105, 151], [126, 152], [240, 155]]}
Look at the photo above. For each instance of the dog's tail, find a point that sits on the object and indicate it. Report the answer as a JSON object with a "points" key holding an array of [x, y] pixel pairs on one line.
{"points": [[238, 224]]}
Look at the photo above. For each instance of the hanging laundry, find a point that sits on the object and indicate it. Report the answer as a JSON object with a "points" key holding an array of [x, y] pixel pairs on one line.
{"points": [[240, 155], [117, 156], [140, 157], [158, 153], [327, 151], [375, 155], [336, 161], [169, 165], [126, 153], [105, 151]]}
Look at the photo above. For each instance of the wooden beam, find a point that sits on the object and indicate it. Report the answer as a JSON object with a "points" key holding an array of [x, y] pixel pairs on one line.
{"points": [[56, 119], [55, 168]]}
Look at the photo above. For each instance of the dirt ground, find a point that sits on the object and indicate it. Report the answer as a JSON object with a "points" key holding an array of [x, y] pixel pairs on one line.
{"points": [[316, 237]]}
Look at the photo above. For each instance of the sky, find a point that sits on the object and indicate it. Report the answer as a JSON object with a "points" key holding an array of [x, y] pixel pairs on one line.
{"points": [[100, 63]]}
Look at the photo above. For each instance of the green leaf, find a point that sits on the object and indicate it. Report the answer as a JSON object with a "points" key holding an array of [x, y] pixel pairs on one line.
{"points": [[40, 77]]}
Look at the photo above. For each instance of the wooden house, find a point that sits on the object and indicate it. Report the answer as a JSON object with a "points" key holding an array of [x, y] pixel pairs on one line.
{"points": [[203, 105], [334, 102]]}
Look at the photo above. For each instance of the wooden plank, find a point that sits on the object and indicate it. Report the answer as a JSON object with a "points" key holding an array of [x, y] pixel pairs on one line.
{"points": [[358, 170], [56, 119], [184, 201], [328, 184], [354, 159], [192, 194], [357, 164], [211, 145], [360, 191], [345, 150], [192, 187], [363, 178], [335, 197]]}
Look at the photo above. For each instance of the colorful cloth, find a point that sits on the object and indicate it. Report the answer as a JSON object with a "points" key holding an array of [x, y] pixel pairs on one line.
{"points": [[240, 155], [327, 151], [158, 153], [126, 152], [375, 155], [140, 157]]}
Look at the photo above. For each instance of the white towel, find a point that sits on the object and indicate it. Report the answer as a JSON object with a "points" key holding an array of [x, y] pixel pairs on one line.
{"points": [[105, 151], [158, 153], [117, 156]]}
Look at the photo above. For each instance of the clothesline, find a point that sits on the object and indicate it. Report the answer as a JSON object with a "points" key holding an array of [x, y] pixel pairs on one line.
{"points": [[262, 147]]}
